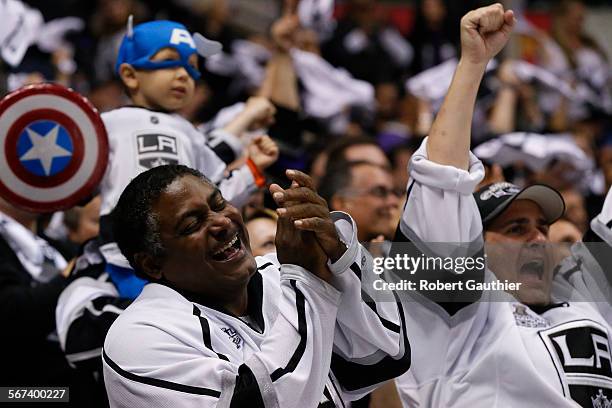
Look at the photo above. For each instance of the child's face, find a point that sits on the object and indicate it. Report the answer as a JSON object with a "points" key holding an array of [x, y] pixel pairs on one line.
{"points": [[168, 89]]}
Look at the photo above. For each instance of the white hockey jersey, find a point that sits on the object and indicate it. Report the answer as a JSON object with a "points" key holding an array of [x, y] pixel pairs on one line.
{"points": [[167, 350], [502, 353], [140, 139]]}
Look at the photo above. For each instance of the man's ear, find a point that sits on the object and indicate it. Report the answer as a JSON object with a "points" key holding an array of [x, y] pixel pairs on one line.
{"points": [[128, 77], [149, 264]]}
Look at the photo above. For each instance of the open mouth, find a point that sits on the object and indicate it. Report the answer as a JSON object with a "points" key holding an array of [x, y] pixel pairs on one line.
{"points": [[228, 251], [533, 270]]}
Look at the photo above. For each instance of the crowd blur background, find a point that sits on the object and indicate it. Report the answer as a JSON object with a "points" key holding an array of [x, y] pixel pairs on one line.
{"points": [[369, 76]]}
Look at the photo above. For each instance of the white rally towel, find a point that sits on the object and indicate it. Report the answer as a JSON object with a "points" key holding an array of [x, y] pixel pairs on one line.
{"points": [[19, 29], [580, 93], [329, 90], [432, 84], [23, 26], [51, 36], [535, 151], [251, 59]]}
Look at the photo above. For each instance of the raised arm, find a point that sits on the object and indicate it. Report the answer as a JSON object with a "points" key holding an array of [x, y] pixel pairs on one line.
{"points": [[484, 32], [280, 82], [443, 172]]}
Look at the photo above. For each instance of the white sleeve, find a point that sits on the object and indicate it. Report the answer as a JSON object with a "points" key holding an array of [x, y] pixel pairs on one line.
{"points": [[149, 367], [440, 206], [441, 219], [370, 344]]}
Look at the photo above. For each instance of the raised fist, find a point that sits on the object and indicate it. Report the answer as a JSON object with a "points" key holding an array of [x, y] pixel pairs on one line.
{"points": [[484, 32], [260, 112], [283, 31], [263, 151]]}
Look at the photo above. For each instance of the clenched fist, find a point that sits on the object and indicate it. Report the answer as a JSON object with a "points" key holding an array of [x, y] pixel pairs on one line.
{"points": [[263, 151], [259, 112], [484, 32]]}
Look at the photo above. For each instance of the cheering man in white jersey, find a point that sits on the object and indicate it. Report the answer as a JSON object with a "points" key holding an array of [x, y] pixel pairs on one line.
{"points": [[216, 327], [531, 347]]}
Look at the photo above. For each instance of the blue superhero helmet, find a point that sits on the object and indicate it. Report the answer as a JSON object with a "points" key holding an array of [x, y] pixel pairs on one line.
{"points": [[142, 42]]}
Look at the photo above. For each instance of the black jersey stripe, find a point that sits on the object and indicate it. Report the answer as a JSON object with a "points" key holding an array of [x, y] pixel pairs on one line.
{"points": [[264, 266], [300, 304], [206, 333], [353, 376], [387, 324], [189, 389]]}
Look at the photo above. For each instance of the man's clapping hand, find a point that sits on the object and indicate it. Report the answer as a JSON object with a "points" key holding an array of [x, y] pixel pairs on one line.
{"points": [[307, 212]]}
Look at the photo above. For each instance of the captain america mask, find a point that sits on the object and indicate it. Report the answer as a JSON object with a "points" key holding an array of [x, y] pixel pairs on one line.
{"points": [[142, 42]]}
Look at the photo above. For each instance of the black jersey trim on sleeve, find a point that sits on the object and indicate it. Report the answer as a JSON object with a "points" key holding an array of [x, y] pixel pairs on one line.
{"points": [[389, 325], [224, 152], [300, 304], [354, 376], [206, 333], [189, 389]]}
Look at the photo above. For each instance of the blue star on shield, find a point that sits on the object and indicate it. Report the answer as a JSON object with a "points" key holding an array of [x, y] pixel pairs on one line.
{"points": [[44, 148]]}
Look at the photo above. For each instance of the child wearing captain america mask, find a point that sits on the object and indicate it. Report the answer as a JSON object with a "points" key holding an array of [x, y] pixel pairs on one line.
{"points": [[158, 64]]}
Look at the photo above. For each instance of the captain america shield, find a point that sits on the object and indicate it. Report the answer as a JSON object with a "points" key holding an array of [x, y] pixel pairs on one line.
{"points": [[54, 148]]}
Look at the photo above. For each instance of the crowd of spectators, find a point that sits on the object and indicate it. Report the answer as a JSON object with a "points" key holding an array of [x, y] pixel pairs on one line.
{"points": [[352, 97]]}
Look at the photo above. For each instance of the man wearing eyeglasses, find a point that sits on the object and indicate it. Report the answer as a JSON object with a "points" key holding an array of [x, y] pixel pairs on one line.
{"points": [[365, 191]]}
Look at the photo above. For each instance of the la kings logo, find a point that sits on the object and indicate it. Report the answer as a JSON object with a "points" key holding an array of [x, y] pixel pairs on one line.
{"points": [[156, 150], [581, 353]]}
